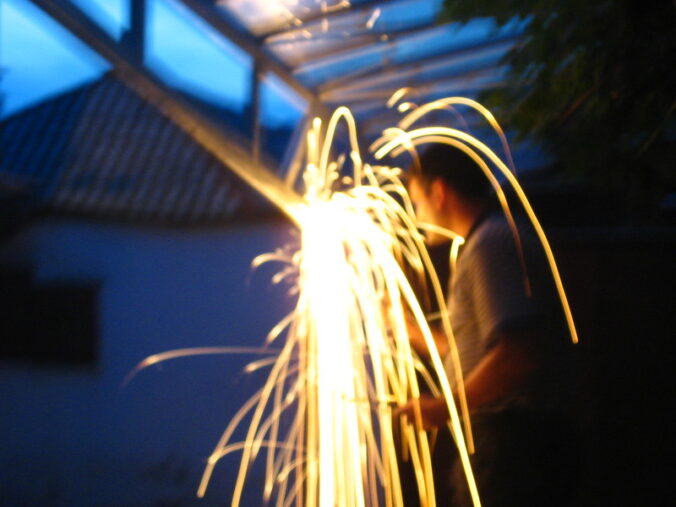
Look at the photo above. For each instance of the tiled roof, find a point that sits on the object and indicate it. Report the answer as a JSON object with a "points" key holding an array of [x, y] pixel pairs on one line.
{"points": [[102, 151]]}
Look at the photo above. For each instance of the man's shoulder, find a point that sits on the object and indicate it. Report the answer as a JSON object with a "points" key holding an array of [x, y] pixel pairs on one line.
{"points": [[493, 232], [496, 241]]}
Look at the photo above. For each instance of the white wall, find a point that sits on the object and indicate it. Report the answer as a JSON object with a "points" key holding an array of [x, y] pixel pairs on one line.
{"points": [[73, 436]]}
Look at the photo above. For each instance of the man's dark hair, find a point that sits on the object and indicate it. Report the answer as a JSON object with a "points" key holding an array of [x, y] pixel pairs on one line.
{"points": [[455, 168]]}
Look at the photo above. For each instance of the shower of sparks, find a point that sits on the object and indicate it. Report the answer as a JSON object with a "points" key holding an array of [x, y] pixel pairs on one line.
{"points": [[324, 416], [322, 421]]}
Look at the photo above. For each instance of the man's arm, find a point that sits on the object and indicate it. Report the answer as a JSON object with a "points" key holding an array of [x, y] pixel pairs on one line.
{"points": [[502, 371], [418, 342]]}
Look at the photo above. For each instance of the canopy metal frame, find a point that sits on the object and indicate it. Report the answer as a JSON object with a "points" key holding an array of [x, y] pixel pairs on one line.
{"points": [[365, 89]]}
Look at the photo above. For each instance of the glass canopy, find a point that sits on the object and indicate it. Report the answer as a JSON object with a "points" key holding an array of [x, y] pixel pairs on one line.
{"points": [[261, 67]]}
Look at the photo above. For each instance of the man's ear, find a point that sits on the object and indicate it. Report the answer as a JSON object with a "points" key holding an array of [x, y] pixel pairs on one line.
{"points": [[438, 194]]}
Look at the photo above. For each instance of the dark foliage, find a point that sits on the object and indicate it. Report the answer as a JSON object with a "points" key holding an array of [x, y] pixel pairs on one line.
{"points": [[595, 83]]}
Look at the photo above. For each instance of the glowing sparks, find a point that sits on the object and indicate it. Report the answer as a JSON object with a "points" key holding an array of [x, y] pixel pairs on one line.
{"points": [[347, 357], [190, 352], [396, 96], [448, 103], [323, 418], [405, 106], [370, 23]]}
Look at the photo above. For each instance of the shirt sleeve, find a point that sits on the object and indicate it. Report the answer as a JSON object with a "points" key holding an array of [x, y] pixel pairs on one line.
{"points": [[501, 300]]}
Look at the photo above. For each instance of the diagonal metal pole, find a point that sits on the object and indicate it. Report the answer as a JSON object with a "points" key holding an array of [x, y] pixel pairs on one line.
{"points": [[210, 136]]}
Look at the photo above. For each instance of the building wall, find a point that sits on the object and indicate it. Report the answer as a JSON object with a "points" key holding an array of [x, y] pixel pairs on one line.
{"points": [[74, 435]]}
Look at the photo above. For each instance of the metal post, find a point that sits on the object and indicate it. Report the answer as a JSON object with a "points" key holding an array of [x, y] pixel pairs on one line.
{"points": [[134, 38], [255, 112]]}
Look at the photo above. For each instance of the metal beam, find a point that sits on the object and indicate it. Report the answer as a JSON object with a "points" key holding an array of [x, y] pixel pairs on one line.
{"points": [[295, 152], [416, 76], [210, 136], [134, 37], [255, 112]]}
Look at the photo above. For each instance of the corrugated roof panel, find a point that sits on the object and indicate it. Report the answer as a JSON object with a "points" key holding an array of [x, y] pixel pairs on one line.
{"points": [[465, 85], [440, 40], [357, 27], [468, 59], [115, 156], [261, 17]]}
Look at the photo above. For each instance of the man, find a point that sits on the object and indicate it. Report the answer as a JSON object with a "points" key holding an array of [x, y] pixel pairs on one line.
{"points": [[511, 341]]}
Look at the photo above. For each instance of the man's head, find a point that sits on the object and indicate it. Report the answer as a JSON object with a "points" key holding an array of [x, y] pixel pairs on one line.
{"points": [[449, 189], [455, 169]]}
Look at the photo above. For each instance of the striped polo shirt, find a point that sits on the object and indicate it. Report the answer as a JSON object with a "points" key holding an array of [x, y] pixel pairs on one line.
{"points": [[489, 296]]}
